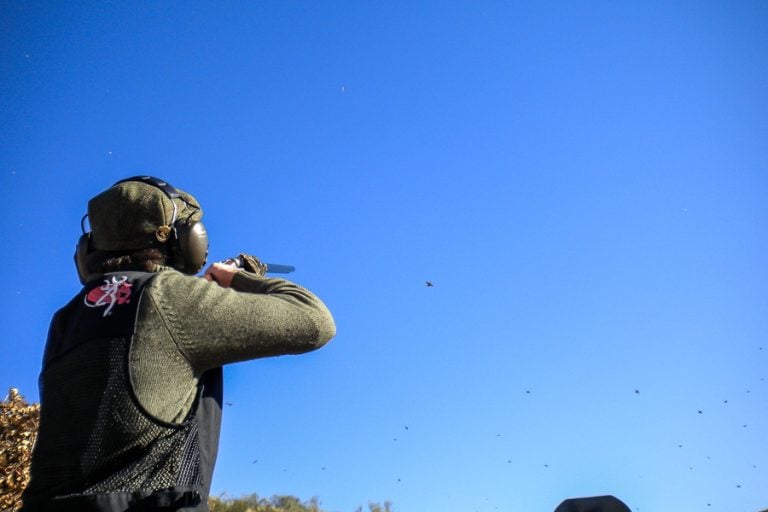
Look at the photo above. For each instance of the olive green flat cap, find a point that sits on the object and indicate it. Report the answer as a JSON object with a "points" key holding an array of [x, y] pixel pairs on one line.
{"points": [[130, 215]]}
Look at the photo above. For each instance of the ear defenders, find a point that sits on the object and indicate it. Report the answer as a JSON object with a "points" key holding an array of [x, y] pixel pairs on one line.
{"points": [[188, 239], [82, 250]]}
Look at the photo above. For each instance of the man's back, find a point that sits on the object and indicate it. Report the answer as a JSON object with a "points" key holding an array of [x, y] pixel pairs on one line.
{"points": [[131, 382]]}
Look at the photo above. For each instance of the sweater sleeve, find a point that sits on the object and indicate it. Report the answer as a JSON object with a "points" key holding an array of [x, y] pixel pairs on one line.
{"points": [[255, 317]]}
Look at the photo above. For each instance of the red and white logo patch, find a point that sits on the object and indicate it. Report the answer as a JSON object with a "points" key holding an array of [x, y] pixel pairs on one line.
{"points": [[112, 292]]}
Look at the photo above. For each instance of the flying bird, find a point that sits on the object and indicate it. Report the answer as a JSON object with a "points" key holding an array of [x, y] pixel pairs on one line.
{"points": [[429, 284]]}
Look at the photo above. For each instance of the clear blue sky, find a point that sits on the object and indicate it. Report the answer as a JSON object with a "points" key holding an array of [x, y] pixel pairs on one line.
{"points": [[584, 183]]}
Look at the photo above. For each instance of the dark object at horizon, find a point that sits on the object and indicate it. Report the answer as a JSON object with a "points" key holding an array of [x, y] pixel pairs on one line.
{"points": [[593, 504]]}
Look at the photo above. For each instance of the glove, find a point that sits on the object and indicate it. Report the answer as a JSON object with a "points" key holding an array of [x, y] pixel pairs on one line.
{"points": [[251, 264]]}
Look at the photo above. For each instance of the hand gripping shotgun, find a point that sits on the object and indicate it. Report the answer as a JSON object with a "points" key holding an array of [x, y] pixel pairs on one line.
{"points": [[253, 264]]}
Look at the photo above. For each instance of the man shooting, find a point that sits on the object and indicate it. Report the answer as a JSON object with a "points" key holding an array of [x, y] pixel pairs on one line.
{"points": [[131, 382]]}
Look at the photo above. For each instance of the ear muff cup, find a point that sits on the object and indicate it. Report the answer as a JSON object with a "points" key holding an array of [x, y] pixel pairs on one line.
{"points": [[190, 248], [81, 254]]}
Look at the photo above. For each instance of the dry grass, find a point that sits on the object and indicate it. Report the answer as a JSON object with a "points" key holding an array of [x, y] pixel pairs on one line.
{"points": [[18, 429]]}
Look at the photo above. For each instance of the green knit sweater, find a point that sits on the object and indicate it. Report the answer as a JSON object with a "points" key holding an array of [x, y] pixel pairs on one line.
{"points": [[187, 325]]}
